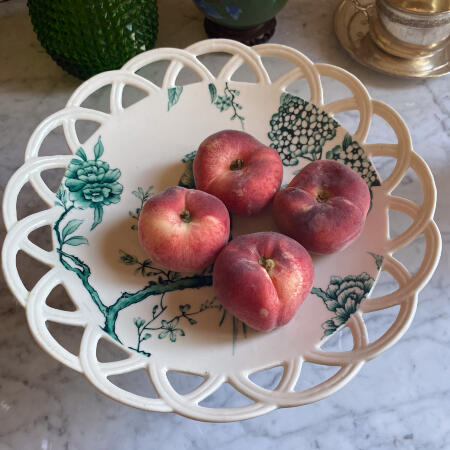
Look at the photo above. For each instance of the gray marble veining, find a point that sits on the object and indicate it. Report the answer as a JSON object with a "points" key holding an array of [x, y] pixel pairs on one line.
{"points": [[399, 400]]}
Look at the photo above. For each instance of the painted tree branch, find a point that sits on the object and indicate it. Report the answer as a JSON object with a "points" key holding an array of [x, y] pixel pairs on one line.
{"points": [[83, 274], [142, 328], [153, 288], [82, 271], [177, 317], [58, 223], [231, 92]]}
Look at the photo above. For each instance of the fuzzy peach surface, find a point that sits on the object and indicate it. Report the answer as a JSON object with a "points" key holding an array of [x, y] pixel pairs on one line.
{"points": [[263, 278], [241, 171], [324, 207], [183, 243]]}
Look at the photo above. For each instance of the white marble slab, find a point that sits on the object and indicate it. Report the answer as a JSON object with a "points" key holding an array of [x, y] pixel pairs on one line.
{"points": [[399, 400]]}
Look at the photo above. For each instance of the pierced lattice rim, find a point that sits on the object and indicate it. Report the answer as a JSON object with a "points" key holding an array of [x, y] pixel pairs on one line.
{"points": [[264, 400]]}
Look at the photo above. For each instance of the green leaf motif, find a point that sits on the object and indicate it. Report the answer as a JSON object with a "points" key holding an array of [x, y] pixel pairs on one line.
{"points": [[163, 334], [70, 228], [98, 216], [139, 322], [285, 98], [184, 308], [127, 259], [212, 92], [61, 195], [347, 141], [146, 336], [319, 293], [189, 156], [141, 195], [223, 317], [60, 192], [98, 149], [378, 259], [81, 153], [174, 94], [76, 240]]}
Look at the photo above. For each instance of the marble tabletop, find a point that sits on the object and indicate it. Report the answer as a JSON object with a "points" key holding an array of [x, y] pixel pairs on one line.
{"points": [[399, 400]]}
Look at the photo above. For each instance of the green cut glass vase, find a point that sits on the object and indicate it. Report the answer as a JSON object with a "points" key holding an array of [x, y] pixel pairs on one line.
{"points": [[86, 37]]}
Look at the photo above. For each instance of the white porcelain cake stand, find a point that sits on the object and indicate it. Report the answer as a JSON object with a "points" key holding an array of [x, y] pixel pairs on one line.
{"points": [[171, 322]]}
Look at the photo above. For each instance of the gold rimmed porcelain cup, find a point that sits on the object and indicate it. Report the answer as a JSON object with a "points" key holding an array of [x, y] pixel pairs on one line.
{"points": [[411, 28]]}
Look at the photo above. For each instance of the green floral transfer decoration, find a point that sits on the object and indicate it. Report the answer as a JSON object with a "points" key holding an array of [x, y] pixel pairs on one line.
{"points": [[173, 95], [94, 175], [187, 178], [299, 130], [169, 328], [143, 196], [146, 268], [226, 101], [354, 156], [377, 258], [92, 184], [343, 297]]}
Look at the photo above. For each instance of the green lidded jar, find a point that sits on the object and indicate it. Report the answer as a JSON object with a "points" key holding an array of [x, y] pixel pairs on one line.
{"points": [[86, 37]]}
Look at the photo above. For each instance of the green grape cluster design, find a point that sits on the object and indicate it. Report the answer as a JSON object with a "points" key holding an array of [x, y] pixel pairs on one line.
{"points": [[353, 155], [299, 130]]}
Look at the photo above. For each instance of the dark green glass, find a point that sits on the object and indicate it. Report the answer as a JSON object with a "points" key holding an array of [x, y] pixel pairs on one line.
{"points": [[86, 37]]}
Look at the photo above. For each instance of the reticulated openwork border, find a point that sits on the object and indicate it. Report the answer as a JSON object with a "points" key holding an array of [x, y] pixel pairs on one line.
{"points": [[264, 400]]}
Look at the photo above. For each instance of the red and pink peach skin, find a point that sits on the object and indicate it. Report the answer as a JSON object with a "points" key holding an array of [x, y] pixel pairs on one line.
{"points": [[183, 229], [241, 171], [263, 278], [324, 207]]}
